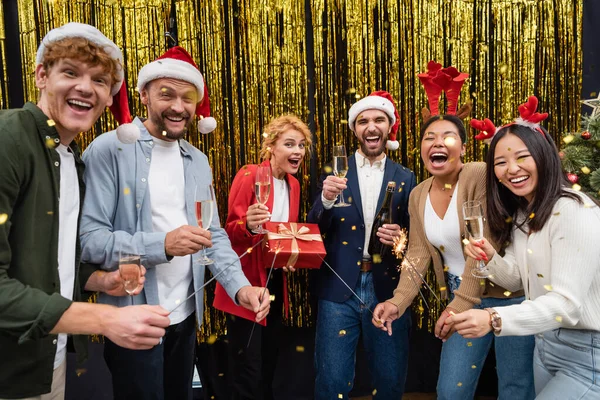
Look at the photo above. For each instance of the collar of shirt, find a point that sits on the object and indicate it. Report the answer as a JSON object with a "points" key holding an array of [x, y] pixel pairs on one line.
{"points": [[362, 161]]}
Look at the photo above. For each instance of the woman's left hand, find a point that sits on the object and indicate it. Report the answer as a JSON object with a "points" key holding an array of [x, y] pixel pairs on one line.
{"points": [[472, 323]]}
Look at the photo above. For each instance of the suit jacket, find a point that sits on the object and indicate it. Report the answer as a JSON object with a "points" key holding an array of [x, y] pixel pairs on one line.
{"points": [[471, 186], [344, 231], [241, 196]]}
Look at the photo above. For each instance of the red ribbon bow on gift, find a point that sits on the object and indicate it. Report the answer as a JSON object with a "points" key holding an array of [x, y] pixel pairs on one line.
{"points": [[294, 234]]}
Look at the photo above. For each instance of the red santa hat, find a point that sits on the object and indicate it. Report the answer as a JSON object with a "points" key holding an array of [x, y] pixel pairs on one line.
{"points": [[176, 63], [93, 35], [383, 101]]}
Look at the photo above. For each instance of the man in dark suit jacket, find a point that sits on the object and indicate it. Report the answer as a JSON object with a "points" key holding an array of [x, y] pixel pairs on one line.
{"points": [[342, 315]]}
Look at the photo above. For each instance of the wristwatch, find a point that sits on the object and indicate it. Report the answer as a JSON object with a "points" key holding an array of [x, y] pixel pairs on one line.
{"points": [[495, 321]]}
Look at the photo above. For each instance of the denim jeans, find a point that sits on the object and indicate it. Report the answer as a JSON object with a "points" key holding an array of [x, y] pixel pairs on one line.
{"points": [[339, 326], [162, 373], [462, 360], [567, 364]]}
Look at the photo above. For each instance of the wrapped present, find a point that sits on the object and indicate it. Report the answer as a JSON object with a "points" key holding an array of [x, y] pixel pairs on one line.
{"points": [[297, 245]]}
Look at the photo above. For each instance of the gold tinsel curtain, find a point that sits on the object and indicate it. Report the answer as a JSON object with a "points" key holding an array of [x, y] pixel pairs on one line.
{"points": [[315, 58], [3, 80]]}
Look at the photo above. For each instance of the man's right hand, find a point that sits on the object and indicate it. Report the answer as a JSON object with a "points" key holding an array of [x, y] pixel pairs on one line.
{"points": [[186, 240], [333, 186], [136, 327]]}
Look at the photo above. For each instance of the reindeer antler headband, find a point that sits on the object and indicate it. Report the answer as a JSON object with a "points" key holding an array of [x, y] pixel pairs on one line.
{"points": [[529, 117], [449, 80]]}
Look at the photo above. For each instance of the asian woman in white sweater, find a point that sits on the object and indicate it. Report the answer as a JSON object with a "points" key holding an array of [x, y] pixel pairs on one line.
{"points": [[551, 236]]}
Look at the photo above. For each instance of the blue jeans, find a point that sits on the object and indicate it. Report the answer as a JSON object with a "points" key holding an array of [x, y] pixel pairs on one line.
{"points": [[162, 373], [339, 326], [567, 364], [462, 360]]}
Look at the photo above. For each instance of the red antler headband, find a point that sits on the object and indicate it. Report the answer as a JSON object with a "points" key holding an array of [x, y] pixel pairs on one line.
{"points": [[529, 117], [437, 80]]}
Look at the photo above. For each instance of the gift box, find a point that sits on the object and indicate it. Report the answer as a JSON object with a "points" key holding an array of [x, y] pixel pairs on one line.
{"points": [[293, 244]]}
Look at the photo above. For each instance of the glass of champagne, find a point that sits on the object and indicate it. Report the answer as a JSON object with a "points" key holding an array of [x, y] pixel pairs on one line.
{"points": [[473, 216], [205, 207], [262, 190], [340, 169], [130, 269]]}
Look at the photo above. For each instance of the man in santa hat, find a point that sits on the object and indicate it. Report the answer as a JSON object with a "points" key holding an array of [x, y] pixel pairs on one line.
{"points": [[41, 193], [141, 182], [343, 312]]}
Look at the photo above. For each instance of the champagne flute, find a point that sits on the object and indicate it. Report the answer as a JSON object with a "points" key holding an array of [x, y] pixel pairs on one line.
{"points": [[130, 270], [473, 215], [262, 190], [340, 169], [205, 206]]}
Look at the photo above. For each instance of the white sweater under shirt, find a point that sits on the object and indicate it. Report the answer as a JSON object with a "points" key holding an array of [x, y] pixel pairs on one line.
{"points": [[166, 184]]}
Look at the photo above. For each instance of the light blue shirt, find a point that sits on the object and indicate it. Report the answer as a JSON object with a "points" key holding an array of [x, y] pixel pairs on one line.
{"points": [[117, 214]]}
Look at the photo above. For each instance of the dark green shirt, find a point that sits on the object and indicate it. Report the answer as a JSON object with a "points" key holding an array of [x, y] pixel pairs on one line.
{"points": [[30, 300]]}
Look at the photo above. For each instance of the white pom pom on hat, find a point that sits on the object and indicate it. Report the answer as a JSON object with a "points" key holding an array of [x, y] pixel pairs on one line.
{"points": [[383, 101], [175, 63]]}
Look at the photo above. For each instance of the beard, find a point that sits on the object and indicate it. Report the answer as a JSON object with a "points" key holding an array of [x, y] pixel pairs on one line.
{"points": [[373, 153], [159, 121]]}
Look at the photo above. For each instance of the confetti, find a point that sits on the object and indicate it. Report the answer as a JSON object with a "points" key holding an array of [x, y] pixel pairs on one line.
{"points": [[402, 183], [272, 297], [548, 287], [374, 392], [51, 122], [508, 220], [588, 205], [80, 371], [245, 167], [342, 219], [568, 139], [481, 282], [177, 301], [558, 318], [576, 187], [350, 199], [585, 170], [540, 275], [268, 149], [249, 250], [376, 259], [3, 218], [353, 227], [340, 396], [452, 159], [508, 149], [474, 366], [246, 173], [50, 212], [459, 384], [344, 243], [328, 169], [164, 133], [240, 222], [465, 241], [342, 333], [163, 89], [221, 374], [265, 134], [449, 141], [507, 293], [469, 344], [50, 143], [556, 214], [446, 268], [530, 251], [343, 122], [211, 339], [531, 215], [300, 349], [492, 284], [442, 288], [358, 263], [126, 191], [442, 248]]}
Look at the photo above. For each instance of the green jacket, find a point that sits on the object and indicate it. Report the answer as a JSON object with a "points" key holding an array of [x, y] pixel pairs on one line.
{"points": [[30, 300]]}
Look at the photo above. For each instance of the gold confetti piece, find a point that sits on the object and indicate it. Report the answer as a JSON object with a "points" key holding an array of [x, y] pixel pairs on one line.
{"points": [[126, 191], [268, 149], [164, 133], [508, 220], [588, 205], [576, 187], [221, 374], [376, 259], [80, 371], [449, 141], [530, 251], [558, 318], [459, 384], [265, 134], [177, 301], [344, 243], [340, 396], [353, 227], [447, 186], [442, 248], [474, 366], [491, 284], [343, 122], [300, 349], [585, 170], [3, 218], [548, 287], [508, 149], [50, 143], [50, 212], [507, 293], [350, 199], [342, 333], [374, 392], [482, 283], [556, 214], [469, 344], [540, 275], [568, 139], [491, 277], [328, 169], [163, 89], [246, 173], [211, 339], [446, 268], [241, 222], [249, 250], [442, 288], [272, 297], [465, 241], [51, 122], [342, 219], [531, 215], [452, 159], [358, 263], [357, 96]]}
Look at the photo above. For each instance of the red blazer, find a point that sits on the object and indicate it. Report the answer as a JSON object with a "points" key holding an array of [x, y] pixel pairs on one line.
{"points": [[241, 196]]}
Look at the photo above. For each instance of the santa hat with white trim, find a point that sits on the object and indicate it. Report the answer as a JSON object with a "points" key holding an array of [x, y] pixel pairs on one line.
{"points": [[383, 101], [176, 63], [93, 35]]}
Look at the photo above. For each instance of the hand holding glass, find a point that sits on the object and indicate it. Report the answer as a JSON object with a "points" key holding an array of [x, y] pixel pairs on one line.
{"points": [[340, 169], [130, 271], [205, 205], [262, 190], [473, 216]]}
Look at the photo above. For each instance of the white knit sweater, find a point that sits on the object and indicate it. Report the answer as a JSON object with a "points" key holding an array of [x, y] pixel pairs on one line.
{"points": [[559, 268]]}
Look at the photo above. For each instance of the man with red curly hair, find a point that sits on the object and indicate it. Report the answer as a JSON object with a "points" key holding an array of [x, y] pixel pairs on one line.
{"points": [[41, 194]]}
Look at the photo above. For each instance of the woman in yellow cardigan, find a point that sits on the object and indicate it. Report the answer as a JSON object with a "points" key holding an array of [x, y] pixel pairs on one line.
{"points": [[436, 233]]}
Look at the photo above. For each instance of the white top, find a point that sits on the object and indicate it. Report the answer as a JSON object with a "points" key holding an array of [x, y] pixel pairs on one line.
{"points": [[281, 201], [68, 214], [370, 179], [166, 184], [559, 268], [444, 234]]}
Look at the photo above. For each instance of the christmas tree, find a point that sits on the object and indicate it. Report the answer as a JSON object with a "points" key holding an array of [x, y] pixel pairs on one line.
{"points": [[580, 156]]}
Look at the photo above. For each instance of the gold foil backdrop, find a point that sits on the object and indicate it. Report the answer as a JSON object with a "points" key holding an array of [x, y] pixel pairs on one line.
{"points": [[254, 57], [3, 78]]}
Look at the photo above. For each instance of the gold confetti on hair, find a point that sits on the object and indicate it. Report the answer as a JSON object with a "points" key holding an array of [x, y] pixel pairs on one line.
{"points": [[446, 268], [508, 220], [265, 134], [531, 215]]}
